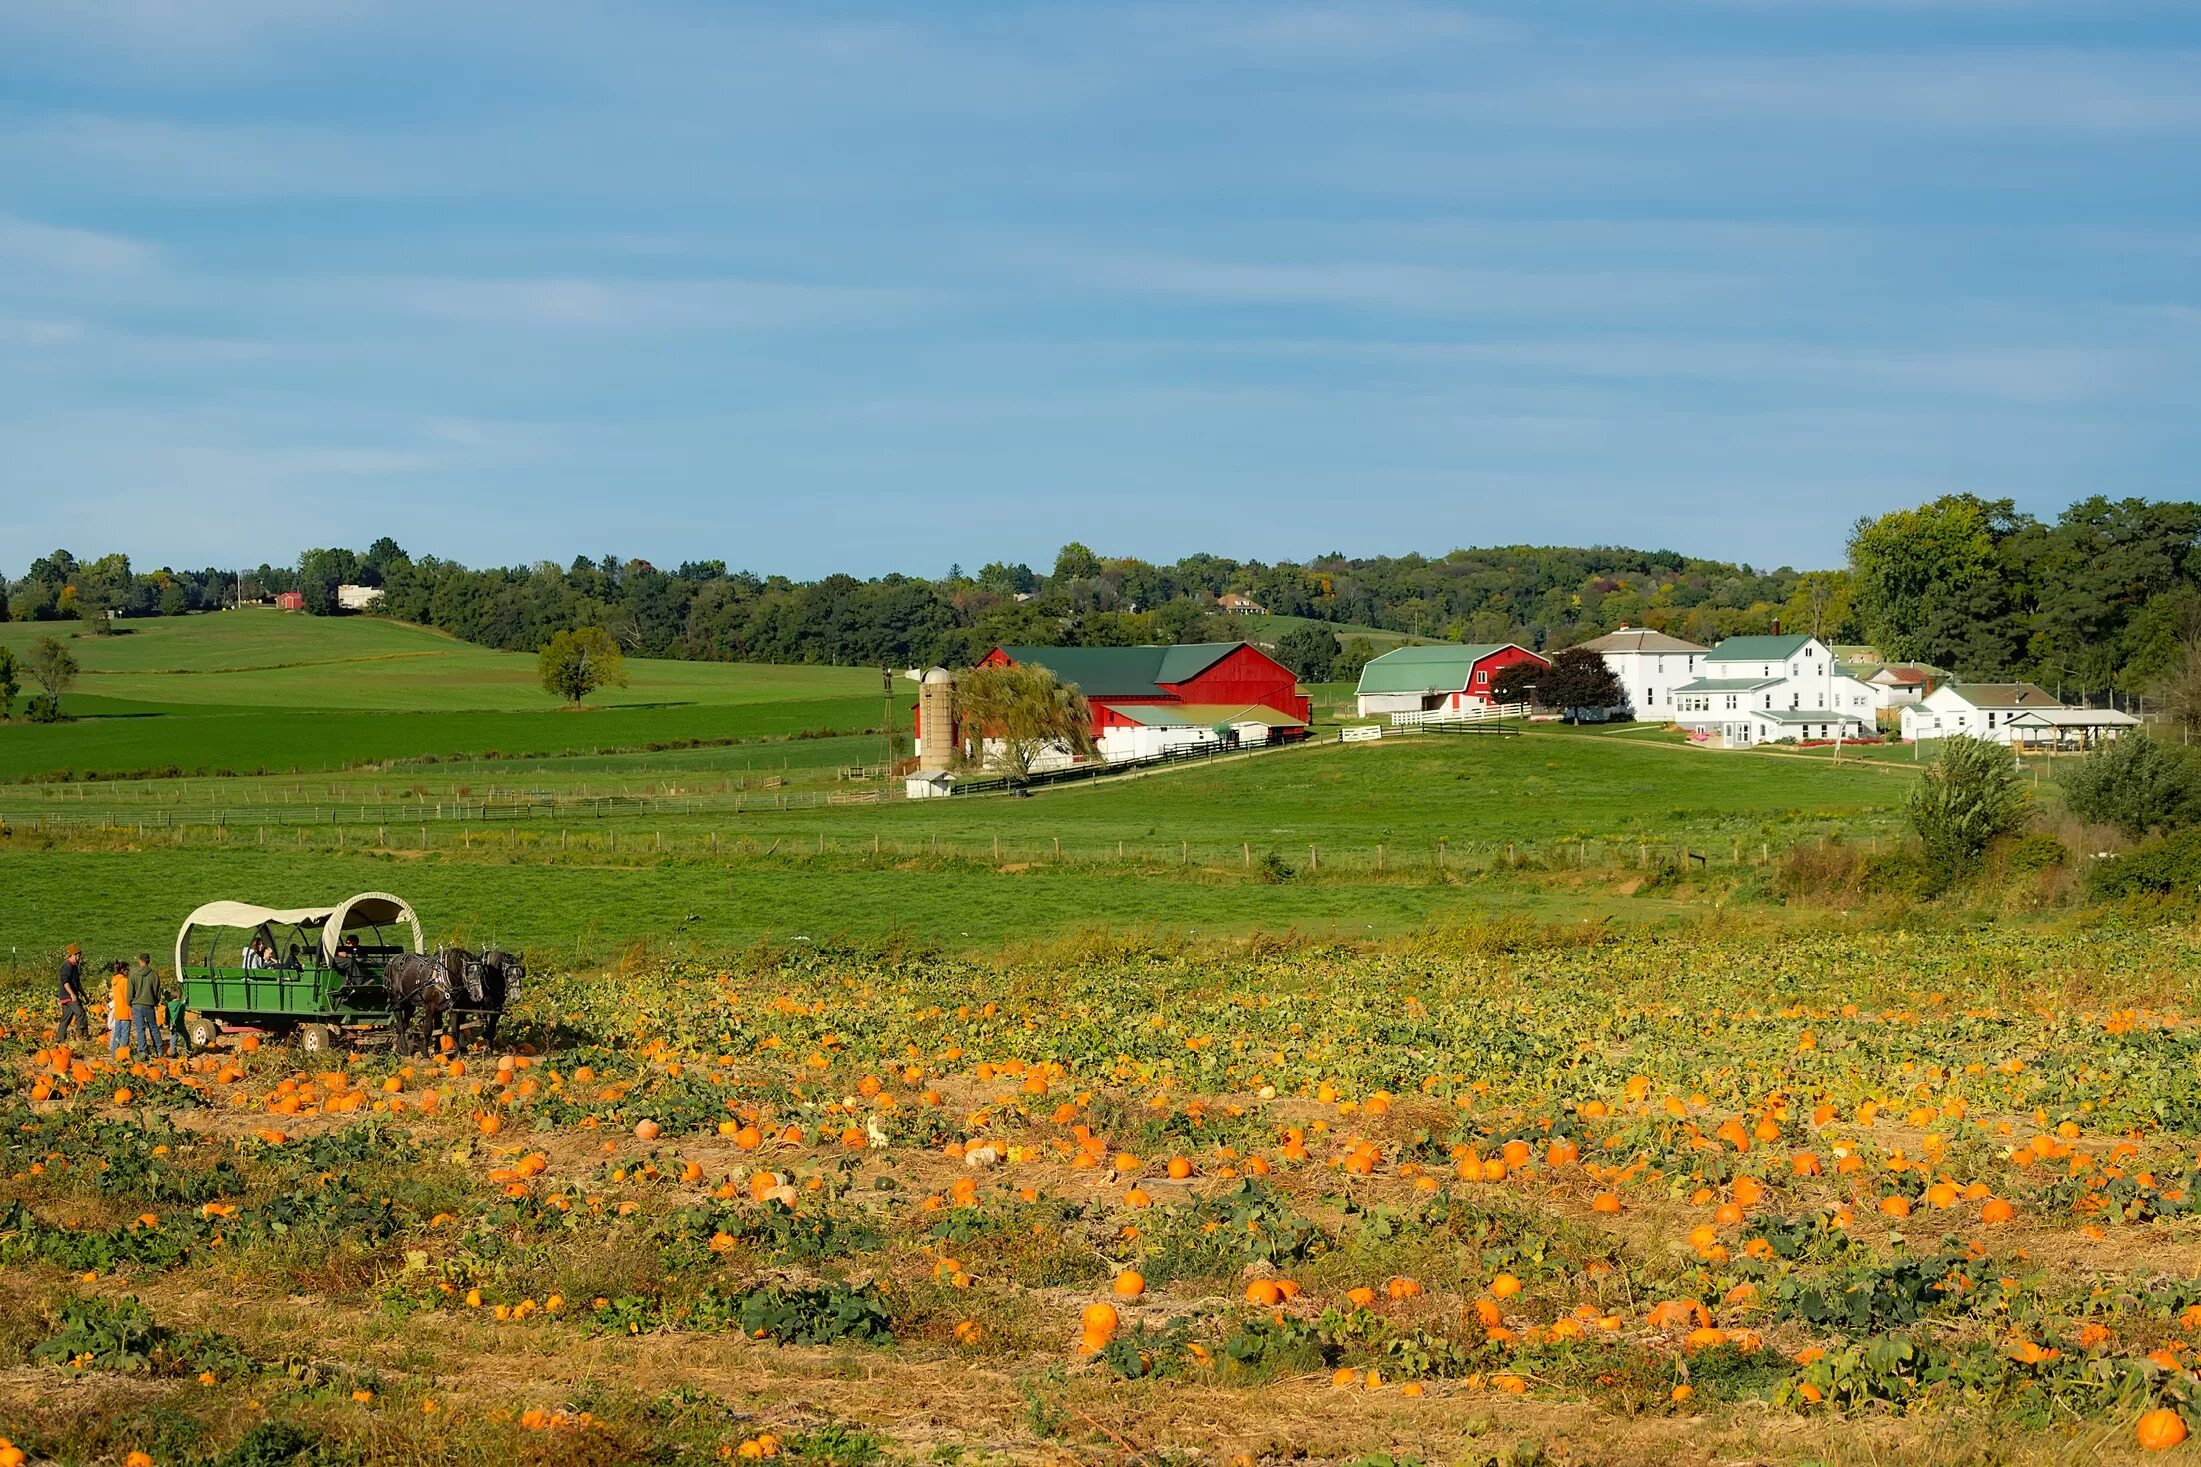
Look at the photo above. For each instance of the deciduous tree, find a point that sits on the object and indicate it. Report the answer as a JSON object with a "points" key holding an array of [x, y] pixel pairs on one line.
{"points": [[1310, 650], [574, 664], [55, 668], [1578, 679], [1928, 584]]}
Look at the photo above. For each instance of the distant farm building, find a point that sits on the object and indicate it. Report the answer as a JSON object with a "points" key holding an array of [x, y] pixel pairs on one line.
{"points": [[1237, 605], [1448, 677], [358, 598], [1649, 666], [290, 601], [1900, 686], [1772, 689], [1151, 700], [1981, 710]]}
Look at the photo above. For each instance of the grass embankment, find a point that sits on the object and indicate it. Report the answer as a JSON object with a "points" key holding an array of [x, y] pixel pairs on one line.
{"points": [[1490, 1197]]}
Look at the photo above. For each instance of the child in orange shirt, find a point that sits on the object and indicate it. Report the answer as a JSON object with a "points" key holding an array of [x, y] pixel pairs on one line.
{"points": [[118, 1008]]}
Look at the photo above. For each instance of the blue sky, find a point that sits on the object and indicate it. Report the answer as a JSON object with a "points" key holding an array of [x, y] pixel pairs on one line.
{"points": [[825, 286]]}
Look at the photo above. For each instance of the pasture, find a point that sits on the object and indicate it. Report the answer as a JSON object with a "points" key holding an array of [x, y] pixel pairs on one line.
{"points": [[256, 690], [257, 659], [1489, 1196], [578, 854]]}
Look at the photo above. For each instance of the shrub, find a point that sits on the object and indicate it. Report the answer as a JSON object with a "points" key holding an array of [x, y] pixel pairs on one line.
{"points": [[2035, 851], [1966, 797], [2169, 864], [1834, 872], [2135, 784]]}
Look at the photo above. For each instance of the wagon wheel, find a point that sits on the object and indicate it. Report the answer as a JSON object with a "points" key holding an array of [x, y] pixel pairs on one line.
{"points": [[201, 1031], [316, 1038]]}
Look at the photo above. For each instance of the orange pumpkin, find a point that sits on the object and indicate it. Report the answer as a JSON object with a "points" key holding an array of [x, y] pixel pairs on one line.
{"points": [[2160, 1429]]}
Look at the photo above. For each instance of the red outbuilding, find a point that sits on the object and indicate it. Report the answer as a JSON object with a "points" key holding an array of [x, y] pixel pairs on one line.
{"points": [[1205, 683]]}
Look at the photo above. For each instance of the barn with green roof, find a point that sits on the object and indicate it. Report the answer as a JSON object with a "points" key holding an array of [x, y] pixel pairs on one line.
{"points": [[1447, 675]]}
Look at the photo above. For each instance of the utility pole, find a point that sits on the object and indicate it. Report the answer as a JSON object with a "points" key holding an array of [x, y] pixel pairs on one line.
{"points": [[886, 719]]}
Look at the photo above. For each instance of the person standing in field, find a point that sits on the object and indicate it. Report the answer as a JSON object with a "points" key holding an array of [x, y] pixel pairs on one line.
{"points": [[144, 1006], [118, 1006], [71, 992], [179, 1037]]}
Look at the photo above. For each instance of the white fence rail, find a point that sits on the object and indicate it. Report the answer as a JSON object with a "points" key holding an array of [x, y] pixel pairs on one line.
{"points": [[1472, 713]]}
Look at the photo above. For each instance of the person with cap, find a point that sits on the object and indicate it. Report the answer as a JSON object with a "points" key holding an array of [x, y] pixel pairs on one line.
{"points": [[70, 990], [144, 1006]]}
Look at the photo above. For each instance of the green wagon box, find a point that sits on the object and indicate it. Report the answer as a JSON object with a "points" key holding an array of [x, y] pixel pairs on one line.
{"points": [[307, 993]]}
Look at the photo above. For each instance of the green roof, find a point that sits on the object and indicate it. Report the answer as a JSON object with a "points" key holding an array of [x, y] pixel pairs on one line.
{"points": [[1124, 672], [1203, 715], [1728, 684], [1442, 668], [1756, 649], [1804, 715]]}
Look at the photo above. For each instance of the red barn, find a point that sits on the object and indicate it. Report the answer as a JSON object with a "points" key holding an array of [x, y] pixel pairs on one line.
{"points": [[1445, 676], [1203, 684]]}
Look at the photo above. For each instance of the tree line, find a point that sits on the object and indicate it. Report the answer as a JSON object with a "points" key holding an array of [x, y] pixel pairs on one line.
{"points": [[2106, 597], [1542, 597]]}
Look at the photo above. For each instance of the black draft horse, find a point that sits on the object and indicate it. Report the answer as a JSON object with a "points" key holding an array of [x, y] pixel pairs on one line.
{"points": [[422, 984], [490, 982], [439, 987]]}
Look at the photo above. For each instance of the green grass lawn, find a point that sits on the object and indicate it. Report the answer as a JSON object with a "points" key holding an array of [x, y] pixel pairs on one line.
{"points": [[117, 903], [198, 739], [1267, 628], [1406, 794], [262, 690], [271, 660]]}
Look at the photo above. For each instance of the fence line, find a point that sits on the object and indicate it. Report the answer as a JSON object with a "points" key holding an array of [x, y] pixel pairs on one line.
{"points": [[1468, 713], [539, 843]]}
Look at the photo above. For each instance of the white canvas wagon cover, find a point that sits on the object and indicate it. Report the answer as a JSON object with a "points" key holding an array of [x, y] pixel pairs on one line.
{"points": [[368, 909]]}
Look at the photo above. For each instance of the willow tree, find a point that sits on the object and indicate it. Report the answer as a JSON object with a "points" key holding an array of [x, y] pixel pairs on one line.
{"points": [[1020, 712]]}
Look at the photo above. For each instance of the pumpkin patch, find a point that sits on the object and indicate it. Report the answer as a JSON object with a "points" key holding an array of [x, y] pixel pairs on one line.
{"points": [[1812, 1183]]}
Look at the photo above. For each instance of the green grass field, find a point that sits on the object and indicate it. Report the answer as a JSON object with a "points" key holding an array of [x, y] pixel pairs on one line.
{"points": [[673, 843], [1382, 837], [1267, 628], [270, 660], [261, 690]]}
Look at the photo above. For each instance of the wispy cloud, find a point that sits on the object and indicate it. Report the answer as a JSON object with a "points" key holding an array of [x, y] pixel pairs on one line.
{"points": [[1404, 286], [2018, 373], [2019, 93], [30, 243], [575, 303]]}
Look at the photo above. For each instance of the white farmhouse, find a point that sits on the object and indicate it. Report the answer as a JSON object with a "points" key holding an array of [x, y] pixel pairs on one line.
{"points": [[358, 598], [1649, 666], [1755, 690], [1982, 710]]}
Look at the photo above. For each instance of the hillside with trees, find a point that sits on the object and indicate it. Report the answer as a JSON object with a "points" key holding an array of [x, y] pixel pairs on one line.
{"points": [[2106, 597]]}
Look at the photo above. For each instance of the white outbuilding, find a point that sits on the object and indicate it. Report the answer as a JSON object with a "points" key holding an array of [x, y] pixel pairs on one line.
{"points": [[1980, 710]]}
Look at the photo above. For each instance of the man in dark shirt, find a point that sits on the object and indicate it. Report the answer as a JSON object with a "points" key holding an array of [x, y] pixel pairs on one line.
{"points": [[71, 992], [144, 1003]]}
